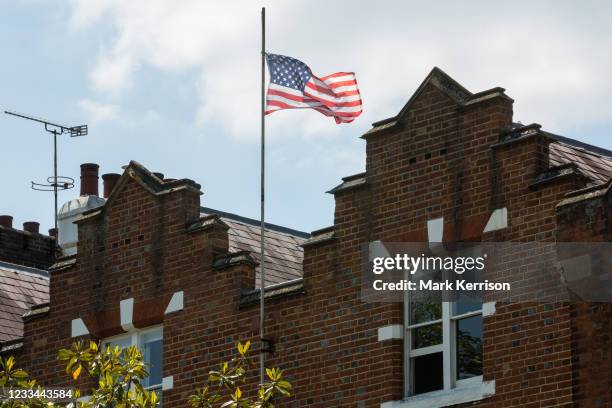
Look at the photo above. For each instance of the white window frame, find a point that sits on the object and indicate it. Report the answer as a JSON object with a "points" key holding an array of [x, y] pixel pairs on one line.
{"points": [[448, 349], [136, 337]]}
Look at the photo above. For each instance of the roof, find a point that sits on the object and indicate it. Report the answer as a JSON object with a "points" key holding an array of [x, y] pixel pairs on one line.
{"points": [[273, 291], [594, 162], [321, 236], [349, 183], [21, 288], [78, 205], [284, 252], [591, 161]]}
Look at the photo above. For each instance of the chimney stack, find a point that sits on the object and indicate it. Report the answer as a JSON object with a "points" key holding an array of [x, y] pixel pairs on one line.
{"points": [[6, 221], [31, 226], [89, 179], [109, 180]]}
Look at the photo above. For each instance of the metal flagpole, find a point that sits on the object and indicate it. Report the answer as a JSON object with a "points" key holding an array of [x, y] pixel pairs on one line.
{"points": [[262, 261]]}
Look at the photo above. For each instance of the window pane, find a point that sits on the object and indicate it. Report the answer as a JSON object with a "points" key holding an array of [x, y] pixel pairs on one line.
{"points": [[122, 342], [427, 336], [465, 305], [428, 374], [153, 355], [469, 347], [424, 312]]}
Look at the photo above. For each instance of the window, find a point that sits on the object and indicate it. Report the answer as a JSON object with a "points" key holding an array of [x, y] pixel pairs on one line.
{"points": [[150, 342], [443, 343]]}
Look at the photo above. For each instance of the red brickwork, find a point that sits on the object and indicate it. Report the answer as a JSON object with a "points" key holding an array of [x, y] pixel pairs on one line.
{"points": [[438, 159], [26, 248]]}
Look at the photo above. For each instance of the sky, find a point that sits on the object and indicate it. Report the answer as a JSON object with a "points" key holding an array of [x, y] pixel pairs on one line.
{"points": [[175, 86]]}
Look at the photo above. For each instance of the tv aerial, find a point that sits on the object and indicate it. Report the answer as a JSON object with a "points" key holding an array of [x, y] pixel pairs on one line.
{"points": [[54, 183]]}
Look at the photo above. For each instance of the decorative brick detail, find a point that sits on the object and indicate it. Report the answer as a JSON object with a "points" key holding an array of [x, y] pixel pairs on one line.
{"points": [[126, 314], [176, 303], [79, 328], [391, 332], [448, 154]]}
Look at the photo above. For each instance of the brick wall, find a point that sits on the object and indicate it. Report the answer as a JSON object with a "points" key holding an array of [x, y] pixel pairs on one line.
{"points": [[445, 156], [26, 248], [584, 217]]}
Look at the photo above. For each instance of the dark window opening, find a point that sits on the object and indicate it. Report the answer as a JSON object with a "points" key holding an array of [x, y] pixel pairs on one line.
{"points": [[428, 373]]}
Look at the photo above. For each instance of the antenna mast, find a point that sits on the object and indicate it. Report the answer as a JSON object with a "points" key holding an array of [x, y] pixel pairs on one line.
{"points": [[55, 182]]}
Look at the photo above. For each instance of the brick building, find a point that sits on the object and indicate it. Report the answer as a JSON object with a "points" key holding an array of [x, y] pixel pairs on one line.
{"points": [[25, 256], [154, 268]]}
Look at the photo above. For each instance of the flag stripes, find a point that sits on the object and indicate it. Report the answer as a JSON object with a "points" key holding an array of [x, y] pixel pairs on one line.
{"points": [[293, 86]]}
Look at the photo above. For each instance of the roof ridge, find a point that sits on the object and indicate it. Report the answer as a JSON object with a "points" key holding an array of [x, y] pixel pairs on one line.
{"points": [[25, 269], [443, 82], [254, 222], [596, 150]]}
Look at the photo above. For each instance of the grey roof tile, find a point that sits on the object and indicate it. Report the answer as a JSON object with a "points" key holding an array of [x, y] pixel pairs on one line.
{"points": [[595, 165], [20, 289], [283, 250]]}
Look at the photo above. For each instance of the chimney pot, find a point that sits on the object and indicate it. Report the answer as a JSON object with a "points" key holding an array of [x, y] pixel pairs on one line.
{"points": [[109, 180], [89, 179], [159, 175], [6, 221], [31, 226], [53, 232]]}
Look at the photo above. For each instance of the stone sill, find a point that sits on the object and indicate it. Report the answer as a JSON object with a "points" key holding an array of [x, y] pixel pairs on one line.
{"points": [[473, 389]]}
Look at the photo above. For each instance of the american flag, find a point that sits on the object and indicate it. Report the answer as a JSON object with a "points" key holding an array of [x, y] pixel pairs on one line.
{"points": [[292, 85]]}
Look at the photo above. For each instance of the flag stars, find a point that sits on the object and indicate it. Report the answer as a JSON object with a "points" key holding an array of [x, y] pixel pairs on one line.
{"points": [[288, 72]]}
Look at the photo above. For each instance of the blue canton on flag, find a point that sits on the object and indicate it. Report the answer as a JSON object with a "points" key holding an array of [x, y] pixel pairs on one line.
{"points": [[287, 71]]}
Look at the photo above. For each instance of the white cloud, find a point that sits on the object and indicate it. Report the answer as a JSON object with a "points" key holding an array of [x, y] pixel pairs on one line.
{"points": [[113, 72], [552, 58], [98, 112], [87, 12]]}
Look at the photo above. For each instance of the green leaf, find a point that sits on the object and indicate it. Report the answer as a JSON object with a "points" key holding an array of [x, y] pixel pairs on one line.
{"points": [[70, 364], [19, 374], [65, 354], [9, 363]]}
